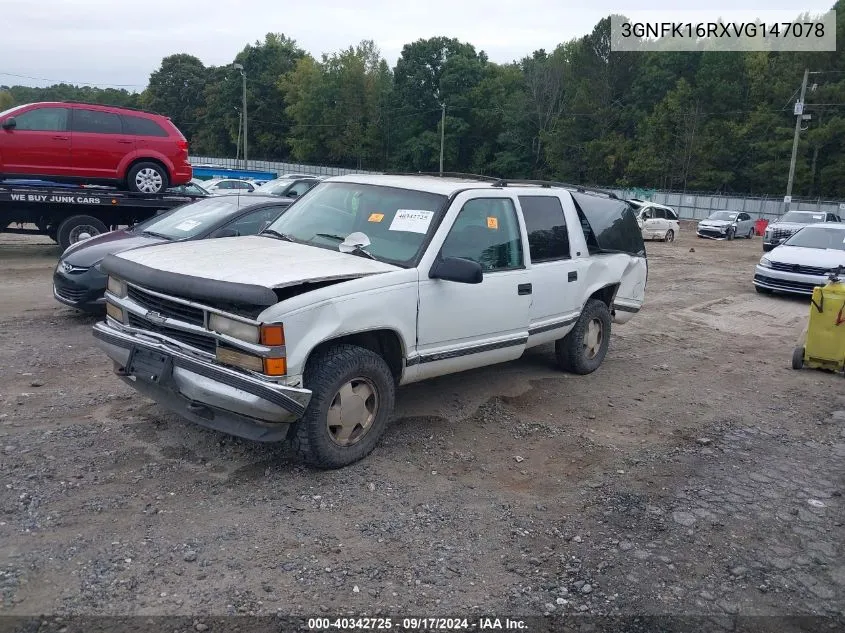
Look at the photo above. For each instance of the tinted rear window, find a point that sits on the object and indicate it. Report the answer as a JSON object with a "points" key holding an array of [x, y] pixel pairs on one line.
{"points": [[610, 225], [96, 122], [548, 238], [141, 126]]}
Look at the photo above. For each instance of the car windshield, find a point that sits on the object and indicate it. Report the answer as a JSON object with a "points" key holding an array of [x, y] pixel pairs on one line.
{"points": [[396, 221], [192, 219], [802, 217], [723, 215], [818, 237]]}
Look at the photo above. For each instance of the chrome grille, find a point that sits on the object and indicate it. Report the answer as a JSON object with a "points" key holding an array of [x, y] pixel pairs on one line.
{"points": [[781, 233], [207, 343], [166, 307]]}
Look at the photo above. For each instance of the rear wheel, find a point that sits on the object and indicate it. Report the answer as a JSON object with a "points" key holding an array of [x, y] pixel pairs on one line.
{"points": [[72, 229], [750, 234], [147, 177], [352, 399], [670, 236], [584, 348], [798, 358]]}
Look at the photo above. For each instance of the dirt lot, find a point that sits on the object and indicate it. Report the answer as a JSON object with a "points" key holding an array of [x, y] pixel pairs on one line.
{"points": [[694, 473]]}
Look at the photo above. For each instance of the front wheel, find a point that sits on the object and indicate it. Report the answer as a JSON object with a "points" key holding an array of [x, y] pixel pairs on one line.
{"points": [[584, 348], [730, 234], [147, 178], [353, 392]]}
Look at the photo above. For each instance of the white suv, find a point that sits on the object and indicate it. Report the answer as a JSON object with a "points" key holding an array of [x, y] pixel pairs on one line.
{"points": [[369, 282]]}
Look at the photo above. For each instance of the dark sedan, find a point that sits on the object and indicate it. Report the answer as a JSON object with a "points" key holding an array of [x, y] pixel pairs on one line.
{"points": [[78, 280]]}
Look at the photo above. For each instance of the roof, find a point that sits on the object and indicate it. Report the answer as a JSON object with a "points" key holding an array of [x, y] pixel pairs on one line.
{"points": [[446, 184]]}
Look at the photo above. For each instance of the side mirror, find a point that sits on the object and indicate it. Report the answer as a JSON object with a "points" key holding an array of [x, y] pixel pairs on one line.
{"points": [[457, 269], [226, 232], [10, 123]]}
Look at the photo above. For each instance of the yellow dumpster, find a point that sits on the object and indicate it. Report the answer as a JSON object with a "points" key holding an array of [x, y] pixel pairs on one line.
{"points": [[824, 339]]}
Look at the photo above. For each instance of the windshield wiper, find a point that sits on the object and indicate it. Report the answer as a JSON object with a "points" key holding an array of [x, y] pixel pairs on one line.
{"points": [[358, 250], [161, 235], [281, 236]]}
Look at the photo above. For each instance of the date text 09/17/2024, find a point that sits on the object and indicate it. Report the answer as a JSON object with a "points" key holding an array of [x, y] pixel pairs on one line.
{"points": [[415, 624]]}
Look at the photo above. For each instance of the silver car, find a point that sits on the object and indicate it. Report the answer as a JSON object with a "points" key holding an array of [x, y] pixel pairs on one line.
{"points": [[803, 261], [726, 225]]}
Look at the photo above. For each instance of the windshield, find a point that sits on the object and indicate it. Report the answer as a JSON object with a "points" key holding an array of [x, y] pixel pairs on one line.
{"points": [[396, 221], [723, 215], [802, 217], [818, 237], [192, 219]]}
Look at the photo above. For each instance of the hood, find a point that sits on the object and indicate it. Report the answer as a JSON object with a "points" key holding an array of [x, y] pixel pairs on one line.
{"points": [[821, 258], [240, 270], [716, 223], [90, 252]]}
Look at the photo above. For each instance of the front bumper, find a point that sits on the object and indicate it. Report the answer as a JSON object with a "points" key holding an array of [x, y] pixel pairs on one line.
{"points": [[82, 290], [207, 394], [782, 281], [711, 233]]}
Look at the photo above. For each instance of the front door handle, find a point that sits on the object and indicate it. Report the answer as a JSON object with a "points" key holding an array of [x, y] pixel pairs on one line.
{"points": [[573, 275], [125, 142], [523, 289], [62, 138]]}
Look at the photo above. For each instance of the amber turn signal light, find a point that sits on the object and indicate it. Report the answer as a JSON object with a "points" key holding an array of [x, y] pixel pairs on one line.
{"points": [[275, 366], [273, 335]]}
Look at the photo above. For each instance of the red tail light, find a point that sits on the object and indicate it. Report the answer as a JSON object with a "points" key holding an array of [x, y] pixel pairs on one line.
{"points": [[182, 145]]}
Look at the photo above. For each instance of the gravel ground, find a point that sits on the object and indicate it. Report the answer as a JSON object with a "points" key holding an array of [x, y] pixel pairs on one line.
{"points": [[694, 473]]}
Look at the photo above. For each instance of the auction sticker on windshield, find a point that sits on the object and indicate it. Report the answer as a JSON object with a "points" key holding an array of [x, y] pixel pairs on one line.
{"points": [[411, 220], [187, 225]]}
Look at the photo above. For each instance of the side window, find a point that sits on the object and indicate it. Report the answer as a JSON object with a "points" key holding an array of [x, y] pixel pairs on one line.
{"points": [[660, 213], [254, 221], [648, 214], [42, 120], [670, 213], [545, 223], [140, 126], [224, 184], [486, 231], [300, 188], [236, 184], [96, 122]]}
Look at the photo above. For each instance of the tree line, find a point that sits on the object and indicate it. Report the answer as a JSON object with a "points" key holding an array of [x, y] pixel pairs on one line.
{"points": [[697, 121]]}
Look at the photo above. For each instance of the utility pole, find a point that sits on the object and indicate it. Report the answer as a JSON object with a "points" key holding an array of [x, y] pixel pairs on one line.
{"points": [[442, 134], [243, 76], [799, 116]]}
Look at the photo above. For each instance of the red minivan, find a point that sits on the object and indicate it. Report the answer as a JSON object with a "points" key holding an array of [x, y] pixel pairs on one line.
{"points": [[94, 144]]}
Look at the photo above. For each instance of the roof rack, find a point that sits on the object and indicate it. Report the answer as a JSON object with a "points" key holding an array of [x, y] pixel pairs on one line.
{"points": [[447, 174], [104, 105], [505, 182]]}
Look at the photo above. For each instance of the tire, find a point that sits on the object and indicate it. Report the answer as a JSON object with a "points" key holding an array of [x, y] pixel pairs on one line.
{"points": [[670, 236], [798, 358], [750, 234], [330, 373], [762, 291], [71, 228], [730, 234], [573, 352], [147, 177]]}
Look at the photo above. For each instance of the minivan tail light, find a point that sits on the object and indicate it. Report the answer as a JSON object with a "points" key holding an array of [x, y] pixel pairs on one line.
{"points": [[182, 145]]}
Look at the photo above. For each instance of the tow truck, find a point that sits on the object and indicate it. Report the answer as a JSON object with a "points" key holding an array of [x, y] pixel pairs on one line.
{"points": [[67, 214]]}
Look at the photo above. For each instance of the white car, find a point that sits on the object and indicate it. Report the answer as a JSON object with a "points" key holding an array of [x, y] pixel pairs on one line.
{"points": [[726, 225], [657, 221], [219, 186], [367, 283], [803, 261]]}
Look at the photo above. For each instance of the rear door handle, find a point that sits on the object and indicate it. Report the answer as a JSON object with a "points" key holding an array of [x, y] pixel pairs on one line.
{"points": [[573, 275], [523, 289], [125, 142], [62, 138]]}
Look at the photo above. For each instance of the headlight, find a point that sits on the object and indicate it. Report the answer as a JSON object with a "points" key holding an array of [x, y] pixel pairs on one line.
{"points": [[765, 262], [117, 287], [236, 329]]}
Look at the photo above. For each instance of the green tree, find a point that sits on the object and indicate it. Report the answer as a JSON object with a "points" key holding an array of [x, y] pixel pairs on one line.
{"points": [[177, 89]]}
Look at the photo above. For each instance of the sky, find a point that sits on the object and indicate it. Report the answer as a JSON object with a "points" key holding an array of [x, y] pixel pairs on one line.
{"points": [[118, 43]]}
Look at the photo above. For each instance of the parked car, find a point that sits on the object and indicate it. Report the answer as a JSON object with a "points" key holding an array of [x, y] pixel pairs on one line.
{"points": [[78, 280], [803, 261], [219, 186], [657, 221], [366, 283], [726, 225], [189, 189], [792, 221], [288, 187], [96, 144]]}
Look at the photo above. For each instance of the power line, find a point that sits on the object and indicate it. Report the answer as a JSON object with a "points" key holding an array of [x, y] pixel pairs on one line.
{"points": [[72, 83]]}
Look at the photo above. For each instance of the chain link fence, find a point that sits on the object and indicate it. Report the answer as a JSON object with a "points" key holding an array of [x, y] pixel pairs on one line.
{"points": [[690, 206]]}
